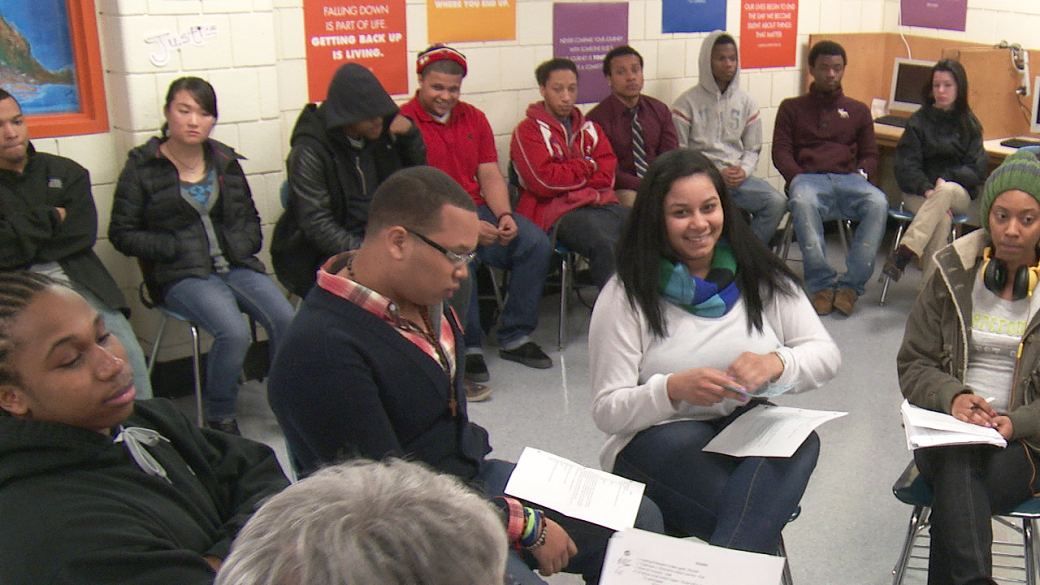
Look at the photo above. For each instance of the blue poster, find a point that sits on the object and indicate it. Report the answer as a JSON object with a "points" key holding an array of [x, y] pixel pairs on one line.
{"points": [[693, 16], [36, 62]]}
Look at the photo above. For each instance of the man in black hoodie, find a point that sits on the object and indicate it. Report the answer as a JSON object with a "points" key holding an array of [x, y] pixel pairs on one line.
{"points": [[341, 151]]}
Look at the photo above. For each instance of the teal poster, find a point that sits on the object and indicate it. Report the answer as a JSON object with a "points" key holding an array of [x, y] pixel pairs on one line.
{"points": [[693, 16]]}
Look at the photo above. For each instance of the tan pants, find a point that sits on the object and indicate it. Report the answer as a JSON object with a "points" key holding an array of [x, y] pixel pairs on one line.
{"points": [[930, 229]]}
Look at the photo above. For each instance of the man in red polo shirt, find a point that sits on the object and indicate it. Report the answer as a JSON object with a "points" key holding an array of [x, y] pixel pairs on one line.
{"points": [[459, 141]]}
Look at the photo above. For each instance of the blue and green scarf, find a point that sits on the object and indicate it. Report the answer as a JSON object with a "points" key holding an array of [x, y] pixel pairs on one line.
{"points": [[712, 296]]}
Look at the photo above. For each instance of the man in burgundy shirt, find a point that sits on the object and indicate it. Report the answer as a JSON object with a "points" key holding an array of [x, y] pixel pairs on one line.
{"points": [[459, 141], [623, 68], [823, 145]]}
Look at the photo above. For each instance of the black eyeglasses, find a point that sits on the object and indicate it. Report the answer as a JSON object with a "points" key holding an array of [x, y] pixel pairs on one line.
{"points": [[454, 257]]}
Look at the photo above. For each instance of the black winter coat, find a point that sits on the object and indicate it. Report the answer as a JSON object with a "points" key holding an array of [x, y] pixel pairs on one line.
{"points": [[152, 222]]}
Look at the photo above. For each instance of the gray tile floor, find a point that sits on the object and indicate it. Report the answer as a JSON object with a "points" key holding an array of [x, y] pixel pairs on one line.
{"points": [[850, 528]]}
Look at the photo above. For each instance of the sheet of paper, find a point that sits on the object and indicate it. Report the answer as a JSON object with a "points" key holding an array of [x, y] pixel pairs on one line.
{"points": [[636, 557], [769, 431], [928, 428], [577, 491]]}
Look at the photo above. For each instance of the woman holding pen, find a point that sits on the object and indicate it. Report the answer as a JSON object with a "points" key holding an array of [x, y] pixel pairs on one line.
{"points": [[971, 350], [700, 316]]}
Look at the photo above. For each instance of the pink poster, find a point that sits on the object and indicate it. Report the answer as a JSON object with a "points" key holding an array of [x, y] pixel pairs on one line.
{"points": [[944, 14], [584, 33]]}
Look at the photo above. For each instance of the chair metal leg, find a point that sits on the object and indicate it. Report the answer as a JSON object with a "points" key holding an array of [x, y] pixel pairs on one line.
{"points": [[1029, 552], [781, 550], [917, 521], [565, 291], [884, 277], [195, 359], [788, 240], [157, 342]]}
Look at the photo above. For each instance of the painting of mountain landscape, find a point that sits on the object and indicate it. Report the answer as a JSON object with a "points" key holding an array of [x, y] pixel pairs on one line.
{"points": [[36, 59]]}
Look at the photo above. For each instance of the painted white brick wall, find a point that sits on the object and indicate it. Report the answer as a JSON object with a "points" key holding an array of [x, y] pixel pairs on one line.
{"points": [[256, 62]]}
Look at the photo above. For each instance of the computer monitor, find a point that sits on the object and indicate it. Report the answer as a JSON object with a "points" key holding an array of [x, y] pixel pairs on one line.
{"points": [[909, 77], [1034, 122]]}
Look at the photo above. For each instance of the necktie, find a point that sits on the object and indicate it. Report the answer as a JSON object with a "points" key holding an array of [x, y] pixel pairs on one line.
{"points": [[638, 148], [135, 438]]}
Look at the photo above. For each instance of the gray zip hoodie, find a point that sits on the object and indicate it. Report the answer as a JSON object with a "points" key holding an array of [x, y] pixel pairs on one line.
{"points": [[725, 126]]}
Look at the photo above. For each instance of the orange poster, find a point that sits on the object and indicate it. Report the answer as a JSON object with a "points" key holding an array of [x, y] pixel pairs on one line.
{"points": [[768, 33], [369, 32], [452, 21]]}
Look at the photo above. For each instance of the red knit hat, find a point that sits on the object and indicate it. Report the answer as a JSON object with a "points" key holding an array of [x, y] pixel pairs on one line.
{"points": [[438, 53]]}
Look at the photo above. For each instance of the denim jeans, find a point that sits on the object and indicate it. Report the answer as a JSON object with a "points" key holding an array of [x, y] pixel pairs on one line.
{"points": [[216, 304], [118, 325], [765, 204], [527, 258], [735, 502], [816, 197], [593, 232], [971, 483], [590, 539]]}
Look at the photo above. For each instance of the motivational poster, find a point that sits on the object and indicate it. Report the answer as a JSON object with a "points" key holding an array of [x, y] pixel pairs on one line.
{"points": [[584, 33]]}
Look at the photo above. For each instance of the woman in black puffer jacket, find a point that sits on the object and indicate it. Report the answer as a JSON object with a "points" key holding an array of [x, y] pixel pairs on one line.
{"points": [[183, 207]]}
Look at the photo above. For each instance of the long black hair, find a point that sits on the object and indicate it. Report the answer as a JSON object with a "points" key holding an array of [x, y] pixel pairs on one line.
{"points": [[968, 122], [644, 241]]}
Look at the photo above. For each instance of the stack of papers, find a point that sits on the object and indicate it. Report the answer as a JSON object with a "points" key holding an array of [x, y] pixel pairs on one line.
{"points": [[928, 428], [768, 430], [635, 557]]}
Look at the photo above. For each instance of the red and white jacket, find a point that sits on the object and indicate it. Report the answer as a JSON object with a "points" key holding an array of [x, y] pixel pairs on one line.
{"points": [[556, 175]]}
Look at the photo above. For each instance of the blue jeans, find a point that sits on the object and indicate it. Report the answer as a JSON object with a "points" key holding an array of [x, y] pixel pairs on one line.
{"points": [[971, 483], [733, 502], [593, 232], [765, 204], [817, 197], [216, 304], [590, 539], [527, 258], [118, 325]]}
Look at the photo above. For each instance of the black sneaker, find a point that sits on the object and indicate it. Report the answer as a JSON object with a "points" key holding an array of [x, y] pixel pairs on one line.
{"points": [[227, 425], [528, 354], [476, 369]]}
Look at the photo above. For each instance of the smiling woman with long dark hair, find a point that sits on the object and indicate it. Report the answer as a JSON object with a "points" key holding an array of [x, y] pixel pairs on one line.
{"points": [[700, 315]]}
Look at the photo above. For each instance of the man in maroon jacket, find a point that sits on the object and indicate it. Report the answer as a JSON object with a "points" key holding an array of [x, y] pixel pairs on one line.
{"points": [[823, 145], [639, 127]]}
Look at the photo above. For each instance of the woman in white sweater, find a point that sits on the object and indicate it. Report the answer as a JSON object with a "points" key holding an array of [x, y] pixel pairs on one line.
{"points": [[700, 316]]}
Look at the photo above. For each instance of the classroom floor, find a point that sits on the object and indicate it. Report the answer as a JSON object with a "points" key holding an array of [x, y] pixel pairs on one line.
{"points": [[851, 527]]}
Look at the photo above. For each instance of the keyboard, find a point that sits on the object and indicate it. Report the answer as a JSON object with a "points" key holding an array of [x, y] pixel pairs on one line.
{"points": [[1019, 142], [892, 120]]}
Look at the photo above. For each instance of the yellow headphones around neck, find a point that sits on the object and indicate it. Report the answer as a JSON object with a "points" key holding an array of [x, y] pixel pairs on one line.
{"points": [[995, 275]]}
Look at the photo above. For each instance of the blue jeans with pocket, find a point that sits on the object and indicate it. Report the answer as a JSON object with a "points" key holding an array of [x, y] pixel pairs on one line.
{"points": [[740, 503], [216, 304], [817, 197]]}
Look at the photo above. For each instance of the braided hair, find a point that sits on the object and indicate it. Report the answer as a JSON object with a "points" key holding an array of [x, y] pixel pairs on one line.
{"points": [[18, 288]]}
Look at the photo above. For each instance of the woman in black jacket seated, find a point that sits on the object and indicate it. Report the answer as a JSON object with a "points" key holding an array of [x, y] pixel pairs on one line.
{"points": [[183, 206], [940, 166]]}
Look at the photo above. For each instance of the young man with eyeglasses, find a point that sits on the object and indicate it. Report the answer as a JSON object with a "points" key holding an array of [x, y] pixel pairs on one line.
{"points": [[372, 366]]}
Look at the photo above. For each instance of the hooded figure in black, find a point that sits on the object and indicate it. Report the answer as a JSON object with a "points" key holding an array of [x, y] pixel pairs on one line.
{"points": [[341, 151]]}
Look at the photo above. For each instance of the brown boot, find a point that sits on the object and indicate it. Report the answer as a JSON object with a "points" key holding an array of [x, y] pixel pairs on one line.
{"points": [[823, 301], [476, 392], [845, 301]]}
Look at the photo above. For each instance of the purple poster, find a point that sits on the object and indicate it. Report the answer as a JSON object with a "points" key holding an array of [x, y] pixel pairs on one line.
{"points": [[944, 14], [584, 33]]}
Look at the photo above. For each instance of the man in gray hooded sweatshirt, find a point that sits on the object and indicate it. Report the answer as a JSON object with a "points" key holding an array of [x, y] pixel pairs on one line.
{"points": [[718, 118], [341, 151]]}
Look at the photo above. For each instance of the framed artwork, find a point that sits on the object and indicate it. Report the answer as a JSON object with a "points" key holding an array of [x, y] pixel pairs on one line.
{"points": [[50, 61]]}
